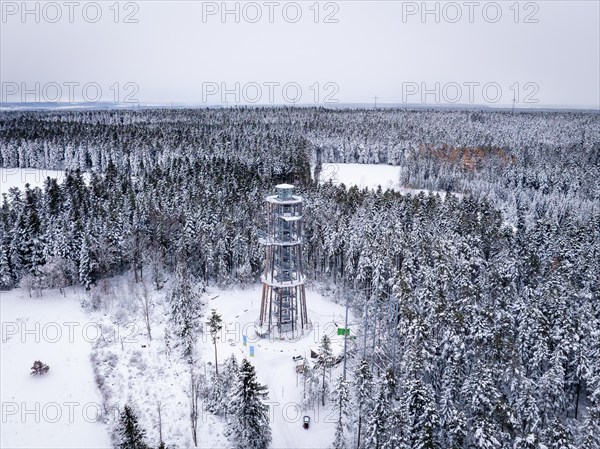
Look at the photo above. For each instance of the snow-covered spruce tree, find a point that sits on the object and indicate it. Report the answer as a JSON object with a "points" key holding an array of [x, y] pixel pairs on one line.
{"points": [[363, 397], [215, 394], [527, 414], [7, 278], [376, 430], [395, 438], [339, 439], [340, 398], [389, 384], [228, 381], [422, 422], [129, 433], [557, 436], [590, 427], [248, 423], [481, 398], [219, 392], [325, 360], [311, 386], [85, 264], [186, 303]]}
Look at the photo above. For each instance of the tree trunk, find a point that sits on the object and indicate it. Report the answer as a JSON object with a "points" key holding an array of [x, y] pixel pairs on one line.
{"points": [[358, 436], [323, 388], [216, 364], [158, 406]]}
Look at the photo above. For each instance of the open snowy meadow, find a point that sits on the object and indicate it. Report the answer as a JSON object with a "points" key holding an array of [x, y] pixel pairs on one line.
{"points": [[64, 408], [61, 408]]}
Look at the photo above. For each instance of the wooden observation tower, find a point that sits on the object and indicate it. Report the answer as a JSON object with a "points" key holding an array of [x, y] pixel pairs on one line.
{"points": [[283, 305]]}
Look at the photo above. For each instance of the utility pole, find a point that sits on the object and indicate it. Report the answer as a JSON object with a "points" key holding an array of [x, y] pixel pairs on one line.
{"points": [[365, 329], [395, 323], [375, 98], [345, 336]]}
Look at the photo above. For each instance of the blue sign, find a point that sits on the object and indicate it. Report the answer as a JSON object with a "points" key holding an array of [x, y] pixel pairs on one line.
{"points": [[251, 351], [244, 339]]}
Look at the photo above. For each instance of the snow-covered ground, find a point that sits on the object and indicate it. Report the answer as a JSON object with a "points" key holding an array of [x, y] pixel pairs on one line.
{"points": [[362, 175], [59, 409], [35, 177], [274, 364], [65, 408], [370, 176]]}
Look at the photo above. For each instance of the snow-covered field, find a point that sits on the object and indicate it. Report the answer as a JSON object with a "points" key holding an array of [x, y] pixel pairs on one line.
{"points": [[362, 175], [35, 177], [59, 409], [65, 408], [370, 176]]}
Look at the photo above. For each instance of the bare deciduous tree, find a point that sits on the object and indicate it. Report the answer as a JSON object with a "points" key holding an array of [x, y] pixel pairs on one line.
{"points": [[146, 305]]}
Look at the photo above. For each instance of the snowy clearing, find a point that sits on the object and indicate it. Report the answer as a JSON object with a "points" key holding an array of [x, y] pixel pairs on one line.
{"points": [[362, 175], [274, 364], [35, 177], [370, 176], [64, 408], [60, 408]]}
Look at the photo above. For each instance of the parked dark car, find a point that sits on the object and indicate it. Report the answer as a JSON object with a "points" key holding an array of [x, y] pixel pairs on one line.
{"points": [[306, 422]]}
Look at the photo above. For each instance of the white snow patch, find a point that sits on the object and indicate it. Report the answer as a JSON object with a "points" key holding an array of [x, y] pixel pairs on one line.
{"points": [[370, 176], [35, 177], [362, 175], [60, 408]]}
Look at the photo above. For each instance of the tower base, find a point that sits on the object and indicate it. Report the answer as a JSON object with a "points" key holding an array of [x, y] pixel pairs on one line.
{"points": [[283, 309]]}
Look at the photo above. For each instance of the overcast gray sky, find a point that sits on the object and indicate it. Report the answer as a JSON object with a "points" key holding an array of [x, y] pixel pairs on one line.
{"points": [[543, 53]]}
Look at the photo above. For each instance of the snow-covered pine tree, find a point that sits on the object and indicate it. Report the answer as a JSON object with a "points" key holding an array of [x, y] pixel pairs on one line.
{"points": [[325, 360], [340, 398], [363, 397], [215, 324], [129, 433], [85, 264], [376, 421], [186, 303], [248, 424], [421, 416]]}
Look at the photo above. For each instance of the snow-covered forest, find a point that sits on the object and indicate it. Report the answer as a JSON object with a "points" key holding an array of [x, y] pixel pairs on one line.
{"points": [[479, 314]]}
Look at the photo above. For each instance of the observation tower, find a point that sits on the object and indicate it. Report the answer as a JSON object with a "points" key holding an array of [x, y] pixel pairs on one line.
{"points": [[283, 305]]}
